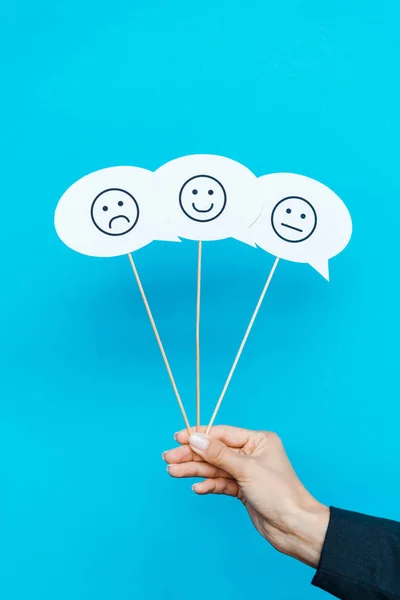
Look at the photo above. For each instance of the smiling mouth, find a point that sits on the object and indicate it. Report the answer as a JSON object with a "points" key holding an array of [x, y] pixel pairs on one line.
{"points": [[291, 227], [118, 217], [203, 211]]}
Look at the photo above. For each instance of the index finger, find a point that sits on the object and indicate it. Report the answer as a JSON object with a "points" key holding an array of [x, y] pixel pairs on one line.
{"points": [[234, 437]]}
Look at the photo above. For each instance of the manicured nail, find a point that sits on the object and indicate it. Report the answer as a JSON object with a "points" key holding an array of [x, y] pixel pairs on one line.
{"points": [[176, 435], [163, 455], [199, 441], [194, 487]]}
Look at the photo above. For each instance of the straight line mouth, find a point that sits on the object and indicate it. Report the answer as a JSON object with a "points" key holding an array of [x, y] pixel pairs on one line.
{"points": [[291, 227]]}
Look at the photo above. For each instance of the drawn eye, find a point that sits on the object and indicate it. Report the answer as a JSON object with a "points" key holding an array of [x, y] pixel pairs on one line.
{"points": [[105, 208], [210, 192], [303, 216], [120, 203], [288, 210], [194, 192]]}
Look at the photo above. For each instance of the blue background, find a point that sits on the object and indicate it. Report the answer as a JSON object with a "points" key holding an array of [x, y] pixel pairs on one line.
{"points": [[87, 510]]}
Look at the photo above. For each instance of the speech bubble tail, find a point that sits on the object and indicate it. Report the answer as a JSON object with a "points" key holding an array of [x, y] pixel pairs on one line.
{"points": [[249, 243], [322, 267], [165, 236], [245, 237]]}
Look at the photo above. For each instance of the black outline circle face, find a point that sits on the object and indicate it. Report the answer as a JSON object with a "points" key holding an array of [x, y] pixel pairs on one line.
{"points": [[294, 220], [212, 209], [115, 211]]}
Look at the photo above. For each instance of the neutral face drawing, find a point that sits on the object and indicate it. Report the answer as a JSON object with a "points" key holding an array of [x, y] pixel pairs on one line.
{"points": [[115, 211], [294, 219], [202, 198]]}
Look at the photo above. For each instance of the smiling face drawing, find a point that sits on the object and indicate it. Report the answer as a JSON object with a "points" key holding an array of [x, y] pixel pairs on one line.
{"points": [[202, 198], [115, 211], [294, 219]]}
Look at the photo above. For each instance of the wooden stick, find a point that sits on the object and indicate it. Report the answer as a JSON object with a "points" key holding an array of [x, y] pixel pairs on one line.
{"points": [[198, 336], [246, 335], [159, 342]]}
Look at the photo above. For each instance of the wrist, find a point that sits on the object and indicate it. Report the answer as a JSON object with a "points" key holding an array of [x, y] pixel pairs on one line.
{"points": [[305, 532]]}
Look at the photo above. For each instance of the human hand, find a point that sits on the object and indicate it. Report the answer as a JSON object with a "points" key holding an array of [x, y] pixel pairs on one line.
{"points": [[253, 467]]}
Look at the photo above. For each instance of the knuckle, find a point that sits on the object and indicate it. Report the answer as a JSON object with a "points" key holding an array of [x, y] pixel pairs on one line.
{"points": [[193, 470], [226, 486], [216, 453], [213, 486], [276, 440], [272, 437], [215, 472], [261, 440]]}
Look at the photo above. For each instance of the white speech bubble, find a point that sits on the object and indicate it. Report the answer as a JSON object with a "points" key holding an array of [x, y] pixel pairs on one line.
{"points": [[112, 212], [209, 197], [302, 220]]}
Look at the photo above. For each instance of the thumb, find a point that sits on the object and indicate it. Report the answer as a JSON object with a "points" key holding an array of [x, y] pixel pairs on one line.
{"points": [[216, 453]]}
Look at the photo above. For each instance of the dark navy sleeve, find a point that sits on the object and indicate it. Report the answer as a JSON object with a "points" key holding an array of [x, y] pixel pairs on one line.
{"points": [[360, 559]]}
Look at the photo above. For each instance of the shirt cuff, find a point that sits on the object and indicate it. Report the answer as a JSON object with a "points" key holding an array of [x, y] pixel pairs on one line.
{"points": [[360, 557]]}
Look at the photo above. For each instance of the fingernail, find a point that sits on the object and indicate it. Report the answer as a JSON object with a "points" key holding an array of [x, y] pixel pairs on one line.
{"points": [[199, 441], [194, 486], [163, 455], [176, 436]]}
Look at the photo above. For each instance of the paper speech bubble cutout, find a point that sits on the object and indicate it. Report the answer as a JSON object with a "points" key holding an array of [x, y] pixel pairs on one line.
{"points": [[302, 220], [209, 197], [112, 212]]}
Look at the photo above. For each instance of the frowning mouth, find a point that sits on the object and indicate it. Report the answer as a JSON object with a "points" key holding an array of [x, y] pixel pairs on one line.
{"points": [[118, 217], [203, 211], [291, 227]]}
